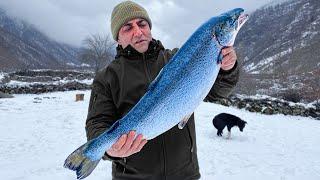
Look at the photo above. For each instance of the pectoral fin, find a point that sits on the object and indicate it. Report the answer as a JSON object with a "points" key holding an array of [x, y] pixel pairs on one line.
{"points": [[183, 122], [220, 57]]}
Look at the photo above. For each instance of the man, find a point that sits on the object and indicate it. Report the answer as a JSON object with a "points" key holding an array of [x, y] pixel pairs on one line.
{"points": [[118, 87]]}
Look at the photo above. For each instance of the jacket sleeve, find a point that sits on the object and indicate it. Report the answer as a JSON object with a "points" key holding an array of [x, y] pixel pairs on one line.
{"points": [[224, 84], [169, 54], [101, 111]]}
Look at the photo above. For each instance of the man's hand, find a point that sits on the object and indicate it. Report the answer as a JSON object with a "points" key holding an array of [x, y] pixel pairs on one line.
{"points": [[127, 145], [229, 58]]}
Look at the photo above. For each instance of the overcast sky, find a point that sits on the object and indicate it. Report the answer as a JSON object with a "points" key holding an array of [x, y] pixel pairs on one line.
{"points": [[70, 21]]}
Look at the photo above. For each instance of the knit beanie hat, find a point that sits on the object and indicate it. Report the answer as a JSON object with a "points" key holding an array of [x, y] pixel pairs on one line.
{"points": [[124, 12]]}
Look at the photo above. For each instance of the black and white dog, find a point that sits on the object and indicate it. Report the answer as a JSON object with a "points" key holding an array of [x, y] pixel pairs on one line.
{"points": [[222, 120]]}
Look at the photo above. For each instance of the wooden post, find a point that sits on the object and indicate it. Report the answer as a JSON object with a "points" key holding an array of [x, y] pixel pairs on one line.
{"points": [[79, 97]]}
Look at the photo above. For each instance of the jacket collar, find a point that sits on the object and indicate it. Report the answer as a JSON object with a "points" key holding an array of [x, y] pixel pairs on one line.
{"points": [[129, 52]]}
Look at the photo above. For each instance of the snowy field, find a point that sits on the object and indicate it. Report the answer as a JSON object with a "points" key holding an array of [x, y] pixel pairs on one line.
{"points": [[14, 83], [39, 131]]}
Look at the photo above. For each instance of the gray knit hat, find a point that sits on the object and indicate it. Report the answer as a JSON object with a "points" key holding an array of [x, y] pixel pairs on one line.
{"points": [[124, 12]]}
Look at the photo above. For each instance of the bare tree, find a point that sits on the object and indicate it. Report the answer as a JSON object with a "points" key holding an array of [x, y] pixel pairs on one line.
{"points": [[97, 51]]}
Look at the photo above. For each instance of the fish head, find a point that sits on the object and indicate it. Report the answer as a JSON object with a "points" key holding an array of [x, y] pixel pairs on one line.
{"points": [[228, 26]]}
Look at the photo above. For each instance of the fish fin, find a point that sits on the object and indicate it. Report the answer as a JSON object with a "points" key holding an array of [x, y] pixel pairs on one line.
{"points": [[77, 161], [220, 57], [155, 81], [184, 121]]}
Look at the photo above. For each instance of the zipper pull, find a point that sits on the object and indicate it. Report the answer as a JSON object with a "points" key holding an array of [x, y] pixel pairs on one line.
{"points": [[124, 167]]}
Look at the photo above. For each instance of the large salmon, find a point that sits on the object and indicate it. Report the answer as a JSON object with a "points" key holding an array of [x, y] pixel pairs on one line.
{"points": [[175, 93]]}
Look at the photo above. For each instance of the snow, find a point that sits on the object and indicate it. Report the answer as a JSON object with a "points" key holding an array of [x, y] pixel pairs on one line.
{"points": [[274, 3], [39, 131], [260, 97], [71, 64], [85, 81], [267, 61], [307, 33], [249, 67], [15, 83], [85, 65]]}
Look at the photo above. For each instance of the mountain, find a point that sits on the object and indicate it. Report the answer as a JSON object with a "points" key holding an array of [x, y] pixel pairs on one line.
{"points": [[22, 46], [278, 48], [282, 36]]}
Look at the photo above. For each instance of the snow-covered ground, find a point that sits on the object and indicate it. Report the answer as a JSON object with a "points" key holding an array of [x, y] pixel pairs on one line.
{"points": [[39, 131], [14, 83]]}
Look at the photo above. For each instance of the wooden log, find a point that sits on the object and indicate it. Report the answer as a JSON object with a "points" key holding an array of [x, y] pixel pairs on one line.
{"points": [[79, 97]]}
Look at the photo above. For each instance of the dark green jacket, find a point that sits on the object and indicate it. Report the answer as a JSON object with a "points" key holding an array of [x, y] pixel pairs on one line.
{"points": [[118, 87]]}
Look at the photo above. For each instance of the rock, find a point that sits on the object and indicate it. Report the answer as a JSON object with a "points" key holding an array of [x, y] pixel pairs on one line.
{"points": [[272, 106], [4, 95], [241, 104], [287, 110], [267, 110], [298, 110], [256, 107]]}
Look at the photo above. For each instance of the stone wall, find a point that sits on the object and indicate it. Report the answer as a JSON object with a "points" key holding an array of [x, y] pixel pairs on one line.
{"points": [[273, 106], [44, 88]]}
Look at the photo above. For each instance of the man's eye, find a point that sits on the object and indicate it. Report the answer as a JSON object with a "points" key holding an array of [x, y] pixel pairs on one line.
{"points": [[142, 23], [127, 28]]}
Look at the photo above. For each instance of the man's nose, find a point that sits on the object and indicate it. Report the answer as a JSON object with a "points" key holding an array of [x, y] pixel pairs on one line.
{"points": [[137, 31]]}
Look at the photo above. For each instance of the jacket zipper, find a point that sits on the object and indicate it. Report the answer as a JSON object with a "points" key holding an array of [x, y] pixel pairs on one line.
{"points": [[189, 132], [163, 140], [146, 68], [149, 80], [164, 159], [124, 167]]}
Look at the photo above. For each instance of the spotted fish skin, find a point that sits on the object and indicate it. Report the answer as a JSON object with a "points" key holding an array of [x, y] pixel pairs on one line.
{"points": [[175, 93]]}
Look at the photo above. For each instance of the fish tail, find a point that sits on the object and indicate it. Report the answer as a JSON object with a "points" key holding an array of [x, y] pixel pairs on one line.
{"points": [[79, 162]]}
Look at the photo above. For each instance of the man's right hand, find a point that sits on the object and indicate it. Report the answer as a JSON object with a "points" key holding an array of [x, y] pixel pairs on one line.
{"points": [[127, 145]]}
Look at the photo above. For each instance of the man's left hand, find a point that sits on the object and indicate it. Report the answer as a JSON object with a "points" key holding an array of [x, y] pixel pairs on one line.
{"points": [[229, 58]]}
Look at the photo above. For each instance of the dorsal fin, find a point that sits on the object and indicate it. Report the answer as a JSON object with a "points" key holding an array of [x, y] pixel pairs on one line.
{"points": [[155, 81]]}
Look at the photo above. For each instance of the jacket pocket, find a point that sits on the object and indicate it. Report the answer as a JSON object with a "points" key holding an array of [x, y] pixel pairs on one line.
{"points": [[148, 160]]}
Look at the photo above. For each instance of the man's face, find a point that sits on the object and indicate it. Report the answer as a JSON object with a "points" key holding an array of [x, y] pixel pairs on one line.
{"points": [[136, 33]]}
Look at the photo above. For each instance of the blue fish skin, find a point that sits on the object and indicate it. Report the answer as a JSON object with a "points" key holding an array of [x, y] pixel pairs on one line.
{"points": [[175, 93]]}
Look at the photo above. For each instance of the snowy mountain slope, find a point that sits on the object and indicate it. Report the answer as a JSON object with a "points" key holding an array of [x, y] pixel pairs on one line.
{"points": [[278, 49], [283, 36], [22, 46], [39, 131]]}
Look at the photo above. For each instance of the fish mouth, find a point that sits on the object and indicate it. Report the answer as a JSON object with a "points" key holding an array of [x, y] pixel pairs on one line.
{"points": [[242, 19]]}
